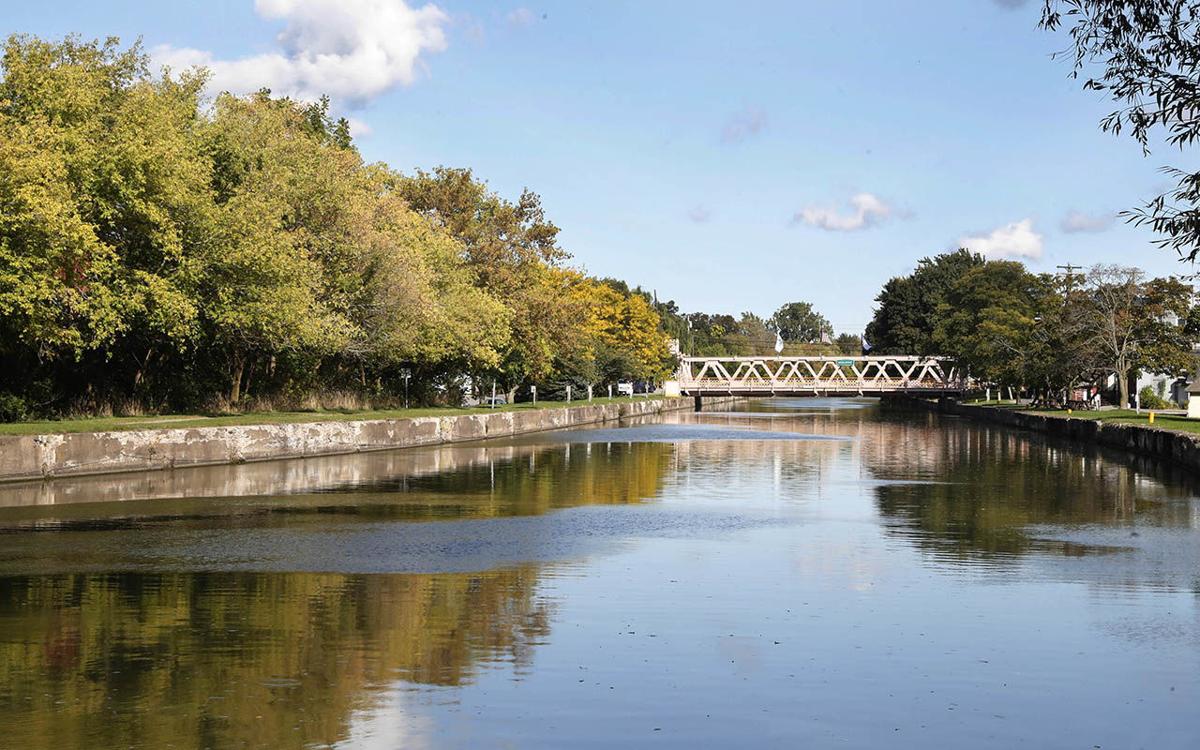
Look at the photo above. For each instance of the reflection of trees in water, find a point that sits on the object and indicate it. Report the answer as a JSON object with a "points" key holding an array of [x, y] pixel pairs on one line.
{"points": [[994, 483], [476, 481], [265, 660], [550, 478], [283, 660], [969, 488]]}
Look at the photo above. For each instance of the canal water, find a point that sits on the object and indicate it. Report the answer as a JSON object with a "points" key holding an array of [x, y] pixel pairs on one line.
{"points": [[795, 573]]}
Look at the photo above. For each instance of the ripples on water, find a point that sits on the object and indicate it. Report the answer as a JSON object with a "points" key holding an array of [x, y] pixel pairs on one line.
{"points": [[799, 572]]}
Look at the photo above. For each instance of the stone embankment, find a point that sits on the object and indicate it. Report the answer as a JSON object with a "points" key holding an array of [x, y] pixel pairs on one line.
{"points": [[24, 457], [1179, 448]]}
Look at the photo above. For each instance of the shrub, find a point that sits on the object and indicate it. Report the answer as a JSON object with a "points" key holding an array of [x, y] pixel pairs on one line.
{"points": [[1151, 400], [13, 408]]}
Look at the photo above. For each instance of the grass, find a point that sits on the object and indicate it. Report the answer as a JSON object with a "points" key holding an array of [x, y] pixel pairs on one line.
{"points": [[1174, 422], [166, 421]]}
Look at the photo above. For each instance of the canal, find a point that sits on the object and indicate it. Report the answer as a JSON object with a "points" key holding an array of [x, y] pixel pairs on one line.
{"points": [[793, 573]]}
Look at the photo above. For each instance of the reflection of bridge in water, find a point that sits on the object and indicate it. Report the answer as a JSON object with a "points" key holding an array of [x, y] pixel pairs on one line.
{"points": [[817, 376]]}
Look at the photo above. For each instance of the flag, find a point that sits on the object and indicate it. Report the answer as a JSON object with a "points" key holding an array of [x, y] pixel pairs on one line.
{"points": [[778, 343], [866, 345]]}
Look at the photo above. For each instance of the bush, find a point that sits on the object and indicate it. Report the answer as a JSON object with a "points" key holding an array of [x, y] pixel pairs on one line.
{"points": [[1151, 400], [13, 408]]}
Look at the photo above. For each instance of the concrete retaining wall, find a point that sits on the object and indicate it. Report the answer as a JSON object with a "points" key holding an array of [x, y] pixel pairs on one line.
{"points": [[24, 457], [1179, 448]]}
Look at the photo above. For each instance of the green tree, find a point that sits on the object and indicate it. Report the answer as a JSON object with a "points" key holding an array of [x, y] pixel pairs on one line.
{"points": [[987, 319], [512, 250], [799, 322], [1138, 324], [849, 344], [101, 190], [1060, 351], [909, 307]]}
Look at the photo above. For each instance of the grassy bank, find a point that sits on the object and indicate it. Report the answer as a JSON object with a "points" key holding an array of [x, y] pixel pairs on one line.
{"points": [[1175, 422], [166, 421]]}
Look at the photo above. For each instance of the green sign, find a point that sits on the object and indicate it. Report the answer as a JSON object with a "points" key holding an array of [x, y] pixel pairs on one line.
{"points": [[845, 362]]}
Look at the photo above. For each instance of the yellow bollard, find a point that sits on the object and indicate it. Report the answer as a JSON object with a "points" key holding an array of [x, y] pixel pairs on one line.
{"points": [[1151, 417]]}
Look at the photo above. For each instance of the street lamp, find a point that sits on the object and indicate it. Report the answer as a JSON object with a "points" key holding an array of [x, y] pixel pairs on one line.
{"points": [[406, 374]]}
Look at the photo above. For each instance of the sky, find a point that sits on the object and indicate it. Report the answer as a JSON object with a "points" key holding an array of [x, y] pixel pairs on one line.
{"points": [[730, 157]]}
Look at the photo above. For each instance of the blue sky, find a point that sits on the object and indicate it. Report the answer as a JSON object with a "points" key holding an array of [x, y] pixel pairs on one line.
{"points": [[731, 157]]}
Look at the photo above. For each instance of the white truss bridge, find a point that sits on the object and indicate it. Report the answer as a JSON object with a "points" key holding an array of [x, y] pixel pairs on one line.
{"points": [[817, 376]]}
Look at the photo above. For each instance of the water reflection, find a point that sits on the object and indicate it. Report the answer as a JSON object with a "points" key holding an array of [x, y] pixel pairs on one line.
{"points": [[224, 660], [881, 569], [975, 489]]}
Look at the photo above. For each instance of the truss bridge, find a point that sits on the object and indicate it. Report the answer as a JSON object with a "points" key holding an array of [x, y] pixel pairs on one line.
{"points": [[817, 376]]}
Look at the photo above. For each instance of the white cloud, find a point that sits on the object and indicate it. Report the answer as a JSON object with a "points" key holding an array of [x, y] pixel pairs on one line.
{"points": [[1015, 240], [352, 50], [743, 125], [865, 210], [700, 214], [521, 17], [1077, 221], [358, 128]]}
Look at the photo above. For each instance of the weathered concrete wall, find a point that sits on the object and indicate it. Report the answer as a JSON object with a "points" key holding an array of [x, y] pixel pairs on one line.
{"points": [[1179, 448], [24, 457]]}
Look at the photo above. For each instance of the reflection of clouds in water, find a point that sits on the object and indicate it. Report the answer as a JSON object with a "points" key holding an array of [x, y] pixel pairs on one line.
{"points": [[389, 724]]}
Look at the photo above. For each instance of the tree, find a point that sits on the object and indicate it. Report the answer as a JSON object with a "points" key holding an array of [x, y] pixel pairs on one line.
{"points": [[987, 319], [799, 322], [910, 306], [622, 338], [708, 333], [167, 251], [1148, 62], [755, 334], [512, 250], [1060, 352], [101, 189], [1138, 324], [849, 344]]}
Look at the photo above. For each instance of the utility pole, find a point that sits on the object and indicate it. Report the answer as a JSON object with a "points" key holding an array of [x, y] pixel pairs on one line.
{"points": [[1070, 270]]}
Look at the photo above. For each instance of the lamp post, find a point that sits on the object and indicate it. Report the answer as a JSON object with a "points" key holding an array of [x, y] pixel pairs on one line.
{"points": [[406, 374]]}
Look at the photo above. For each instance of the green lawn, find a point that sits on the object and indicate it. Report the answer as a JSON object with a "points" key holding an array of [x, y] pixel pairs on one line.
{"points": [[1162, 421], [107, 424]]}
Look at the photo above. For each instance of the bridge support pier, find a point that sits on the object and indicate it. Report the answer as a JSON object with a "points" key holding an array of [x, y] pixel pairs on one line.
{"points": [[699, 402]]}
